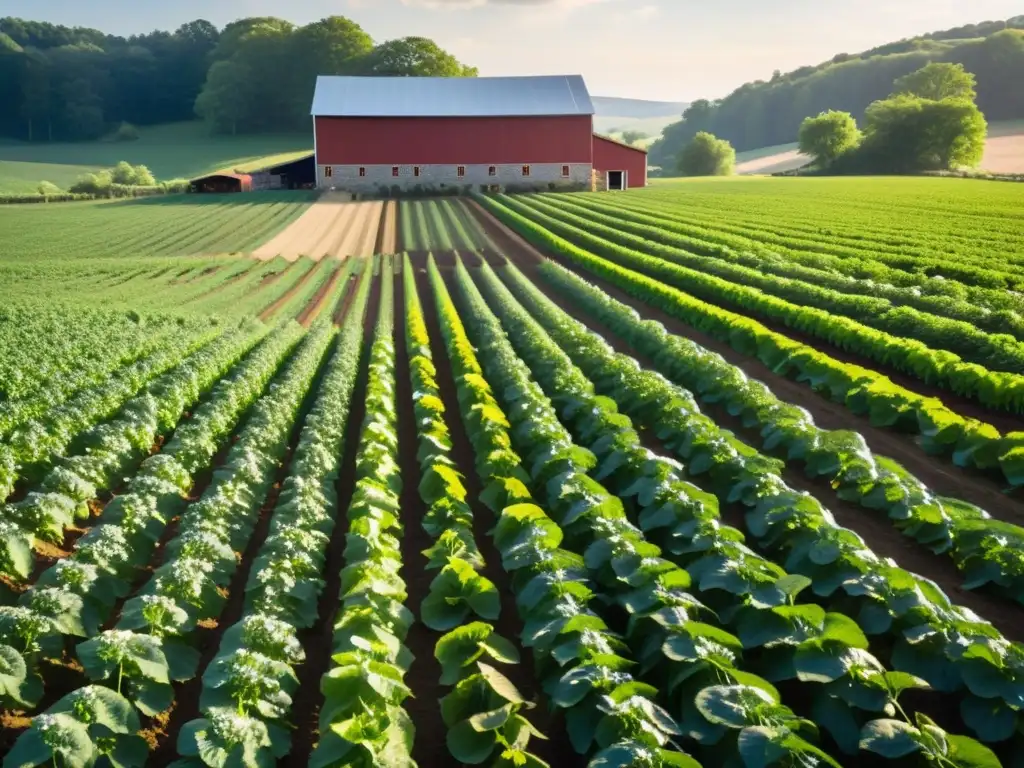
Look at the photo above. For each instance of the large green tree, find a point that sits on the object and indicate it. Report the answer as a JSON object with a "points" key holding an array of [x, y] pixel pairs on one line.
{"points": [[707, 155], [829, 136], [907, 133], [937, 81]]}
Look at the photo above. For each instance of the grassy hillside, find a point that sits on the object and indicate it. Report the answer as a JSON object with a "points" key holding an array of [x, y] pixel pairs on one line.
{"points": [[171, 151], [615, 115]]}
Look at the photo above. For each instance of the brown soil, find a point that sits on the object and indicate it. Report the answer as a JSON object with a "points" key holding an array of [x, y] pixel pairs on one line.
{"points": [[557, 751], [318, 640], [361, 235], [937, 473], [312, 310], [875, 529], [347, 297], [276, 305]]}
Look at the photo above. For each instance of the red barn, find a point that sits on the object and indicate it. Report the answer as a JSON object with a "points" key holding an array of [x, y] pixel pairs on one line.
{"points": [[373, 134]]}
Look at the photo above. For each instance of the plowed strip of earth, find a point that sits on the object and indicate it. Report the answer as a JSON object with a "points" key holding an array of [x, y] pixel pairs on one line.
{"points": [[302, 234], [361, 233], [312, 310]]}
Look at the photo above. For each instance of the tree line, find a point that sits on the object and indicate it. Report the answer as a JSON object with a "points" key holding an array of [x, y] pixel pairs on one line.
{"points": [[929, 122], [766, 113], [257, 74]]}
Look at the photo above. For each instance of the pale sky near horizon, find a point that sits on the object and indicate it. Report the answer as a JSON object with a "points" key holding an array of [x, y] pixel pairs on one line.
{"points": [[672, 50]]}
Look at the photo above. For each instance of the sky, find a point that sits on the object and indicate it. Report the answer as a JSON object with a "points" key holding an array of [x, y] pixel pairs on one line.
{"points": [[671, 50]]}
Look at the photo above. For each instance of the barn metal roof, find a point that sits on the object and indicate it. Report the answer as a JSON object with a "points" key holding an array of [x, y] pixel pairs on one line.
{"points": [[451, 96]]}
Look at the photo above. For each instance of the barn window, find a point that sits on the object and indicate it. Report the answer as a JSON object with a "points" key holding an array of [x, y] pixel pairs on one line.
{"points": [[328, 171], [565, 171], [526, 170], [461, 171], [492, 171], [362, 171], [394, 170], [415, 170]]}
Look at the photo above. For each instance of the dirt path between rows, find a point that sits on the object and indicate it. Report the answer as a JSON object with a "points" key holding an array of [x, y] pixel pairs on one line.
{"points": [[938, 473], [283, 299], [873, 527], [313, 309]]}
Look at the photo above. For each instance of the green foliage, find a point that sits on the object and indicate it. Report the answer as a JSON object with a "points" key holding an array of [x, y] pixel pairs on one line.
{"points": [[632, 137], [413, 57], [937, 81], [125, 132], [908, 133], [706, 155], [829, 136], [48, 189], [769, 113]]}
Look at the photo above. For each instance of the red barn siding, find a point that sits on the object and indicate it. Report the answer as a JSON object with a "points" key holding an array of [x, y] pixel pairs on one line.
{"points": [[612, 156], [456, 140]]}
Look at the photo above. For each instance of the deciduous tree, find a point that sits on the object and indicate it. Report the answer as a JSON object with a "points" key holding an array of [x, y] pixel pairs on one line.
{"points": [[829, 136], [707, 155]]}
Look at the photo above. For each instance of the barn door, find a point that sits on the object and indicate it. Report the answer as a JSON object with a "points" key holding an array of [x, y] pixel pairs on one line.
{"points": [[616, 180]]}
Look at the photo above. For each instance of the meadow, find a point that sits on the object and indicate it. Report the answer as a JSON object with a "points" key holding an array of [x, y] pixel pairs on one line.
{"points": [[720, 473], [172, 151]]}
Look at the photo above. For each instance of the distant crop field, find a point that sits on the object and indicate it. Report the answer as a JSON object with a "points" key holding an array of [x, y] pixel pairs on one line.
{"points": [[182, 150], [155, 226]]}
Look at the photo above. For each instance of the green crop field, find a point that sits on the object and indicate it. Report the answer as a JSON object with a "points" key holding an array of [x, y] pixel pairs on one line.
{"points": [[713, 473], [181, 150]]}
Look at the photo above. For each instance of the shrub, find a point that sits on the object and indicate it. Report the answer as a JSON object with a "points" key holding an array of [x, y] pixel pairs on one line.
{"points": [[707, 155], [97, 184], [125, 132], [132, 175], [49, 189]]}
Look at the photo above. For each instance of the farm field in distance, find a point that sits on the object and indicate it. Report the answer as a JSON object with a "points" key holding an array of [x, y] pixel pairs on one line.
{"points": [[717, 472]]}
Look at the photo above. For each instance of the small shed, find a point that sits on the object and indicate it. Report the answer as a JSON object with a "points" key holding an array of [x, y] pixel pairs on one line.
{"points": [[618, 165], [222, 182]]}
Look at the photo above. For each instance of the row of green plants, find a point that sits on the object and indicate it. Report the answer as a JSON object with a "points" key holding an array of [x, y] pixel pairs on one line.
{"points": [[113, 450], [78, 594], [362, 721], [992, 388], [246, 701], [916, 628], [156, 631], [896, 258], [80, 350], [33, 445], [482, 709], [891, 257], [748, 597], [609, 715], [985, 550], [941, 431], [859, 298]]}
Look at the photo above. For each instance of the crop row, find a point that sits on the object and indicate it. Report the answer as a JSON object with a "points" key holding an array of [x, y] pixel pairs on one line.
{"points": [[927, 250], [32, 446], [578, 658], [78, 594], [971, 330], [483, 710], [153, 641], [942, 431], [916, 626], [986, 551], [113, 449], [749, 596], [246, 700], [995, 389]]}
